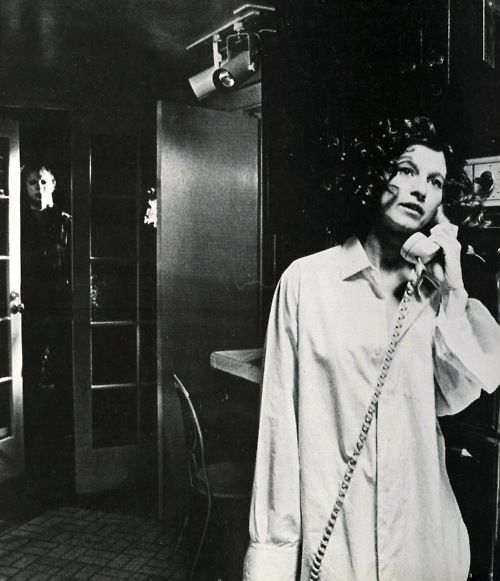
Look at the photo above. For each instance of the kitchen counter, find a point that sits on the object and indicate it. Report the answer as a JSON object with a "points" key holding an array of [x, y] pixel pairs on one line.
{"points": [[244, 363]]}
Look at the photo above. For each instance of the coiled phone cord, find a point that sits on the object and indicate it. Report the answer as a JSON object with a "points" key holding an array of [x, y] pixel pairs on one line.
{"points": [[353, 460]]}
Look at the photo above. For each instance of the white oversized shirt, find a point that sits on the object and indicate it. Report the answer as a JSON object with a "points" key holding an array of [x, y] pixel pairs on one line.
{"points": [[326, 338]]}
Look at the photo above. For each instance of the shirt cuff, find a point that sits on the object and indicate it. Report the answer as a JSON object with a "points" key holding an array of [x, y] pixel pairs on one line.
{"points": [[271, 562], [471, 343]]}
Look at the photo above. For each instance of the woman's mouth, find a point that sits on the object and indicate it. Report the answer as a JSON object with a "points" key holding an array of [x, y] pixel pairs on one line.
{"points": [[412, 208]]}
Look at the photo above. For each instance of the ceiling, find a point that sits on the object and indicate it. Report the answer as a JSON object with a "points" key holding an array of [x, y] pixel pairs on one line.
{"points": [[93, 51]]}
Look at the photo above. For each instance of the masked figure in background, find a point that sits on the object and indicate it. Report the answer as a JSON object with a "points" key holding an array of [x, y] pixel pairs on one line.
{"points": [[46, 294], [365, 348]]}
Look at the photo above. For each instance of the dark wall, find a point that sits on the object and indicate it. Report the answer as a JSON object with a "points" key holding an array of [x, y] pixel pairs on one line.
{"points": [[87, 53]]}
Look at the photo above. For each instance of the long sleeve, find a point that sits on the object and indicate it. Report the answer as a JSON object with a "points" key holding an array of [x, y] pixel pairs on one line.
{"points": [[275, 521], [466, 357]]}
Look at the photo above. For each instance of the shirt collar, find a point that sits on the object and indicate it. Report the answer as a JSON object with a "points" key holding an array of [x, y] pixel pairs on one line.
{"points": [[354, 258]]}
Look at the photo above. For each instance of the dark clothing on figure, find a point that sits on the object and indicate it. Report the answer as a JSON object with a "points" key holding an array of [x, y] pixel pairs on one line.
{"points": [[46, 294], [45, 259]]}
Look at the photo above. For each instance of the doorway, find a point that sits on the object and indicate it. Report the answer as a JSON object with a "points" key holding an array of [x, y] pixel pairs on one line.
{"points": [[44, 140], [92, 431]]}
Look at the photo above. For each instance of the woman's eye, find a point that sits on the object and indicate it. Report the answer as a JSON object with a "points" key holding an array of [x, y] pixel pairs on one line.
{"points": [[438, 184], [407, 171]]}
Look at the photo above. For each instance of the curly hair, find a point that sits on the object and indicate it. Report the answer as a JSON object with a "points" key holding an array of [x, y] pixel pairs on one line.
{"points": [[369, 164]]}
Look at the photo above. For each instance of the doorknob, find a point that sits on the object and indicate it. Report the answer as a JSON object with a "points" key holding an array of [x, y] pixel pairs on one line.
{"points": [[16, 306]]}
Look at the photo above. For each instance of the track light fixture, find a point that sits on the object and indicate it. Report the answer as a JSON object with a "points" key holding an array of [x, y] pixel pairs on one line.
{"points": [[226, 74], [235, 70], [203, 83], [234, 52], [240, 64]]}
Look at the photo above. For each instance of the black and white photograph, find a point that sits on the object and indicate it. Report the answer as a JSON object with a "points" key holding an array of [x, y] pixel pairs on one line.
{"points": [[250, 290]]}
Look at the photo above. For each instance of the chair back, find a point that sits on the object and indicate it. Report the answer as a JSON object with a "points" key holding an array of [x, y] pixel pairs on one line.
{"points": [[193, 434]]}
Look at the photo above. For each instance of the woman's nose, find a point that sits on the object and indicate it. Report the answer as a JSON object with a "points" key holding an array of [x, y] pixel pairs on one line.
{"points": [[419, 194], [419, 189]]}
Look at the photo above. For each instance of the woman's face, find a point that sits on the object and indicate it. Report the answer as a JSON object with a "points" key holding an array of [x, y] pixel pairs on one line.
{"points": [[40, 186], [415, 193]]}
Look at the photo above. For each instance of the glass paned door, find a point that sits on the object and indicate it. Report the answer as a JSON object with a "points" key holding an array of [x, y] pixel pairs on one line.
{"points": [[115, 396], [11, 408]]}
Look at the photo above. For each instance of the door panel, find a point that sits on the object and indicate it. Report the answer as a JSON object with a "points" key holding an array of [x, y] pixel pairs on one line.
{"points": [[208, 261], [111, 327], [11, 404]]}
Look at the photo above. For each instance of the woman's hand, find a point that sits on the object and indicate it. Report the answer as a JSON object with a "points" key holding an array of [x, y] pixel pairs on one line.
{"points": [[448, 270]]}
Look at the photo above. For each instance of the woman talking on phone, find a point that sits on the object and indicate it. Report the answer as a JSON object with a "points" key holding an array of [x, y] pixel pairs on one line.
{"points": [[365, 348]]}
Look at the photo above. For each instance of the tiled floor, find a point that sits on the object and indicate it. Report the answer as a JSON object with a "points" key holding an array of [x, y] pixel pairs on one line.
{"points": [[83, 544]]}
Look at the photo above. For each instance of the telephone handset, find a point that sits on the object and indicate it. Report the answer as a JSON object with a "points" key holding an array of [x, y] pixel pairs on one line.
{"points": [[419, 246]]}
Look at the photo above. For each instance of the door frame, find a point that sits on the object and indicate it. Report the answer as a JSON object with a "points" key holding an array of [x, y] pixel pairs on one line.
{"points": [[12, 461]]}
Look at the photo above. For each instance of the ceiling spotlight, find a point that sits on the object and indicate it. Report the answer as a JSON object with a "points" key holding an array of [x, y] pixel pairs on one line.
{"points": [[203, 83], [224, 75], [236, 47], [234, 71]]}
